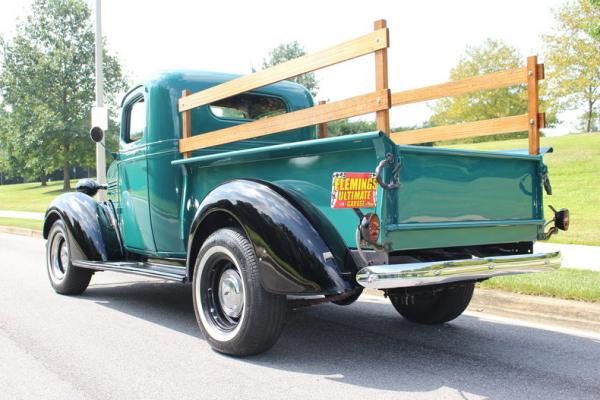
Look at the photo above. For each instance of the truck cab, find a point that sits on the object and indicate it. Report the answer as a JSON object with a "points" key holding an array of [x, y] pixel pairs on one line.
{"points": [[145, 188]]}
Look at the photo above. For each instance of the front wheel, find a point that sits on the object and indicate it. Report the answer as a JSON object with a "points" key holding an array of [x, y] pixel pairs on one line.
{"points": [[236, 315], [65, 278], [436, 306]]}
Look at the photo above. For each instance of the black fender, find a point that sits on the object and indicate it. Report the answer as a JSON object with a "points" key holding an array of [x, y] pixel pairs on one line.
{"points": [[91, 229], [298, 250]]}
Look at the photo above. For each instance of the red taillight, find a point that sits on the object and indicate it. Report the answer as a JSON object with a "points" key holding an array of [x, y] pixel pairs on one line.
{"points": [[369, 228], [374, 228]]}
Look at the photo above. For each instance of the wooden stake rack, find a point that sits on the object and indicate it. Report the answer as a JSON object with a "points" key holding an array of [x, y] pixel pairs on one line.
{"points": [[380, 101]]}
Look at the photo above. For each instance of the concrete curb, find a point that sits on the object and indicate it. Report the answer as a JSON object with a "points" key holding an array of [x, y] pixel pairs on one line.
{"points": [[546, 310], [14, 230]]}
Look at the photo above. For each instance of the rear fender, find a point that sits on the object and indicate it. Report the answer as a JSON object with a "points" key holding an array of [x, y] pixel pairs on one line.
{"points": [[91, 234], [298, 250]]}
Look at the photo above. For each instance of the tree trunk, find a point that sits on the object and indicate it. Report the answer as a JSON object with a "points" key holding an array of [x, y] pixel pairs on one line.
{"points": [[44, 180], [590, 110], [66, 170], [589, 116]]}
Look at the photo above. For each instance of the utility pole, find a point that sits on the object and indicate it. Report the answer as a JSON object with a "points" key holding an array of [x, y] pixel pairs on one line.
{"points": [[101, 114]]}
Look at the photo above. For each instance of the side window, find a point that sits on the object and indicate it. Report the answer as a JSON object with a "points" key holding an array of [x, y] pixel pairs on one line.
{"points": [[137, 121], [248, 107]]}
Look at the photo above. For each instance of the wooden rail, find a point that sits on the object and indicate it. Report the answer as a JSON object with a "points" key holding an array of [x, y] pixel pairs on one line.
{"points": [[379, 101], [464, 86], [334, 55], [531, 122], [321, 113], [465, 130]]}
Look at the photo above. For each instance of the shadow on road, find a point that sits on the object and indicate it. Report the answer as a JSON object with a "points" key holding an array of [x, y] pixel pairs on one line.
{"points": [[369, 345]]}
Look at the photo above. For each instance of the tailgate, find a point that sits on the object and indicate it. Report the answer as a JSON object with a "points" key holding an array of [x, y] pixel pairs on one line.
{"points": [[456, 198]]}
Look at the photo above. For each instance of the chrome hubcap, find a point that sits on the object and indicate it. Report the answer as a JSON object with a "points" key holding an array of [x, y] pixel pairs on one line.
{"points": [[64, 254], [59, 256], [231, 293], [219, 293]]}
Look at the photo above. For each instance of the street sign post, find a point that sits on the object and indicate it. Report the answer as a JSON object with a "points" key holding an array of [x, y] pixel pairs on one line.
{"points": [[100, 110]]}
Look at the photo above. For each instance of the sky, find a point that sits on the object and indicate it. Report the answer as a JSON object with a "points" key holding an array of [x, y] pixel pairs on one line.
{"points": [[427, 37]]}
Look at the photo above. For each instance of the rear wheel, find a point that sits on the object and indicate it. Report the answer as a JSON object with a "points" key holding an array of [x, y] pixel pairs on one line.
{"points": [[65, 278], [236, 315], [435, 306]]}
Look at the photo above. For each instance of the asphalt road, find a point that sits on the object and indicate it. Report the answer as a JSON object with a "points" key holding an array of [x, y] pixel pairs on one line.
{"points": [[127, 337]]}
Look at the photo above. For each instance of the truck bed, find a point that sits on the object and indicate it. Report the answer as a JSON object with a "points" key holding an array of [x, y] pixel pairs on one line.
{"points": [[446, 197], [453, 197]]}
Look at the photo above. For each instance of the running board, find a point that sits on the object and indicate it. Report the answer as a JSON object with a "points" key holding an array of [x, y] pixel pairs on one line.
{"points": [[170, 272]]}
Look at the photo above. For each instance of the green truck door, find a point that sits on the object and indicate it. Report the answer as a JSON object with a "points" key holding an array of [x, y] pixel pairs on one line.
{"points": [[135, 211]]}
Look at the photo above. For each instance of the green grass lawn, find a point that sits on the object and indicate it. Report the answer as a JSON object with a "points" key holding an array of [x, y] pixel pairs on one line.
{"points": [[566, 283], [22, 223], [30, 196], [574, 170]]}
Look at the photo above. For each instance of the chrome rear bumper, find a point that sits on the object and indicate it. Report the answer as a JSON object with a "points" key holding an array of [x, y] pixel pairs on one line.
{"points": [[438, 272]]}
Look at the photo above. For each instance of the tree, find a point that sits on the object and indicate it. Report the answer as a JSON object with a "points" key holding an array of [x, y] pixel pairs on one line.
{"points": [[594, 26], [573, 59], [491, 56], [22, 151], [47, 86], [289, 51], [345, 127]]}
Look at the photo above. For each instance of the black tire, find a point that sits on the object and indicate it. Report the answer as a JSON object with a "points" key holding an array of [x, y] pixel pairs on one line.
{"points": [[350, 299], [64, 277], [435, 307], [236, 315]]}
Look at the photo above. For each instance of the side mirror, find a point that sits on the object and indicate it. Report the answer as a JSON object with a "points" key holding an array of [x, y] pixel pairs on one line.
{"points": [[96, 133], [89, 187]]}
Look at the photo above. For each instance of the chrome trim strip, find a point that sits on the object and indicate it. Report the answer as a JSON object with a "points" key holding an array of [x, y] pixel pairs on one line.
{"points": [[152, 270], [438, 272], [405, 226], [466, 153]]}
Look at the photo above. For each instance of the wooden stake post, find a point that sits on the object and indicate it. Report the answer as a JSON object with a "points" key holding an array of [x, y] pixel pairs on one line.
{"points": [[186, 124], [532, 105], [381, 80], [322, 128]]}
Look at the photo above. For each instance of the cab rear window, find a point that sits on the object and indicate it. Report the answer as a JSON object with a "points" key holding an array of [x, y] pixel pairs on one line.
{"points": [[248, 107]]}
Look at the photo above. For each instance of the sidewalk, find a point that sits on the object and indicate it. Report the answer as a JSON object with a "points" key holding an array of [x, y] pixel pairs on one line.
{"points": [[22, 215], [574, 255]]}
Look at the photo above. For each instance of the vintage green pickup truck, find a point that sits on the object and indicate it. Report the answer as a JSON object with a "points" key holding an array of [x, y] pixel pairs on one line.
{"points": [[256, 223]]}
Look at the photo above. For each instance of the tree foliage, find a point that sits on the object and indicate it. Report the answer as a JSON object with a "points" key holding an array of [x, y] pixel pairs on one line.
{"points": [[343, 127], [573, 60], [346, 127], [289, 51], [492, 56], [594, 25], [47, 89]]}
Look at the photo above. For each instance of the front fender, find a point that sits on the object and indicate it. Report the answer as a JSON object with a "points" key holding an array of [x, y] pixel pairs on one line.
{"points": [[90, 233], [298, 250]]}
